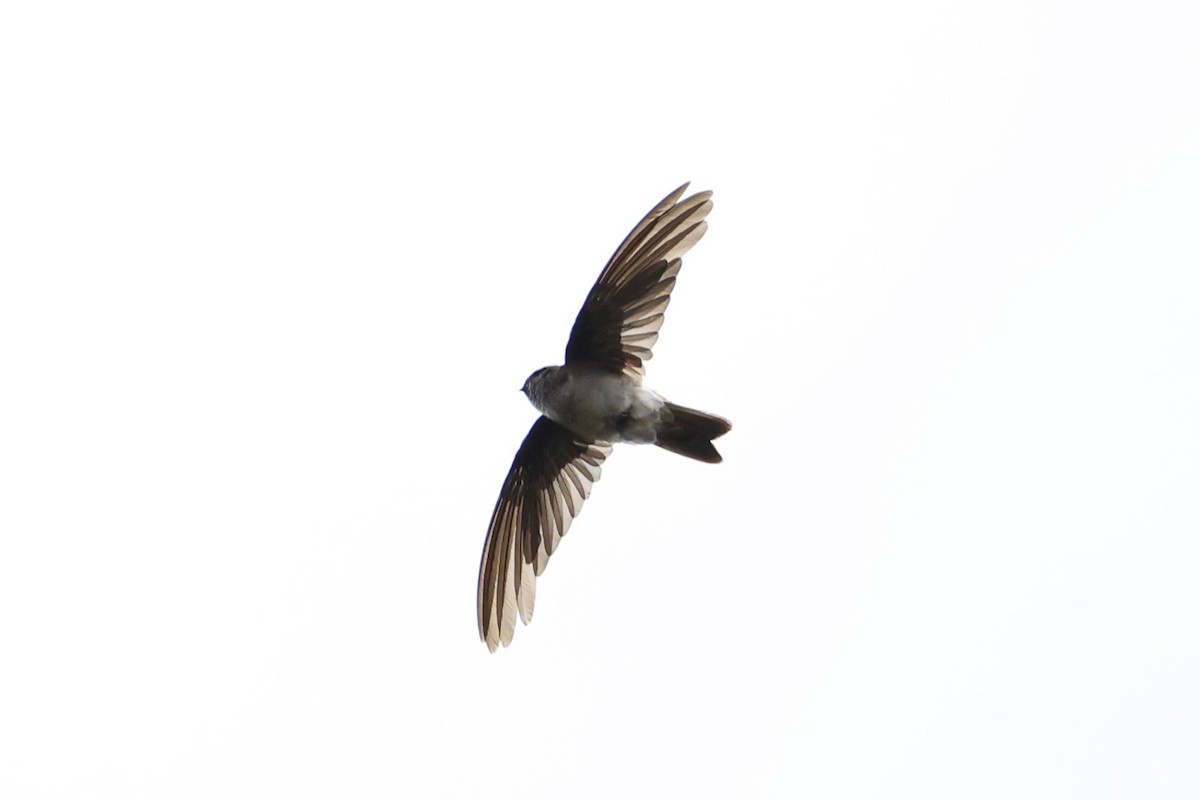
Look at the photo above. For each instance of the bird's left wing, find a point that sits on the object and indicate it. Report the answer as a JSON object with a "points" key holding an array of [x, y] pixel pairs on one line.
{"points": [[550, 477], [618, 324]]}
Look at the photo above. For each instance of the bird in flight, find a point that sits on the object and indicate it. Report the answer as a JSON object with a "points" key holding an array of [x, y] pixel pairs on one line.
{"points": [[595, 399]]}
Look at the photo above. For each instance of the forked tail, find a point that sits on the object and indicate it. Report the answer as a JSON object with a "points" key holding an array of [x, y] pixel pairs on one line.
{"points": [[690, 433]]}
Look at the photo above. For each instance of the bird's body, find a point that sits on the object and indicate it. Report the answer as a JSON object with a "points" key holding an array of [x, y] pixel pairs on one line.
{"points": [[597, 405], [592, 401]]}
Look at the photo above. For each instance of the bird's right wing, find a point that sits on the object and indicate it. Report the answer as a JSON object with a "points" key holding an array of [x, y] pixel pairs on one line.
{"points": [[550, 477]]}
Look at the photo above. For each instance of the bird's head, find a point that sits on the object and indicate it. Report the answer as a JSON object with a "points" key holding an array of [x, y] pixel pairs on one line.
{"points": [[535, 380], [541, 385]]}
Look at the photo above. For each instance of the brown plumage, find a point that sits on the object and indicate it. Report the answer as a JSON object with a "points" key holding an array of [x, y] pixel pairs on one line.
{"points": [[592, 401]]}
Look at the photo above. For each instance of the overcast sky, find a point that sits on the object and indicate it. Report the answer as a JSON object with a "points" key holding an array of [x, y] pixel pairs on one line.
{"points": [[271, 275]]}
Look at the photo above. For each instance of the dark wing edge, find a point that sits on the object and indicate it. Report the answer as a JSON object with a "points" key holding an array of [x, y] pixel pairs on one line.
{"points": [[551, 475], [619, 322]]}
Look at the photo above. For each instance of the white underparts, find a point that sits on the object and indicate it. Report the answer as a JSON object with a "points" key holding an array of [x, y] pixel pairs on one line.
{"points": [[606, 407]]}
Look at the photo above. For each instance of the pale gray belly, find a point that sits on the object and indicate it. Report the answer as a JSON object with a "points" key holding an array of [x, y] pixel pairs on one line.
{"points": [[611, 408]]}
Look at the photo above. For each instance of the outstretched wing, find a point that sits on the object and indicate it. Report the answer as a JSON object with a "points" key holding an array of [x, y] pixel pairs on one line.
{"points": [[618, 324], [550, 478]]}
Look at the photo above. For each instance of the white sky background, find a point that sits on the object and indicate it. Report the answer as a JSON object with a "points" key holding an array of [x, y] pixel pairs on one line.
{"points": [[272, 275]]}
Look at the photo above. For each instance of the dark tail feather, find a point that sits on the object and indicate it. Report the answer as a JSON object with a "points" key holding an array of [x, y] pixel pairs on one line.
{"points": [[690, 433]]}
